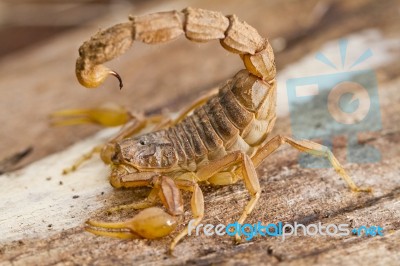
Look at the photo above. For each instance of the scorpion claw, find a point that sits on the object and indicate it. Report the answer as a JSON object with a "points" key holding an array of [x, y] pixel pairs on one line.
{"points": [[120, 234], [105, 116], [150, 223]]}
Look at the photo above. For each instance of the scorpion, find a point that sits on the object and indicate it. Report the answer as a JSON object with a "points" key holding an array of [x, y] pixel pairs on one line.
{"points": [[219, 139]]}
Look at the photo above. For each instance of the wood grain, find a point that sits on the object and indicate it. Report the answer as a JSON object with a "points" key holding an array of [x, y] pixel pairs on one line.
{"points": [[40, 80]]}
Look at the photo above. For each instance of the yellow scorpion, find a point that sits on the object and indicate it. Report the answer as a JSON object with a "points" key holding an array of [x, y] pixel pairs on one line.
{"points": [[219, 139]]}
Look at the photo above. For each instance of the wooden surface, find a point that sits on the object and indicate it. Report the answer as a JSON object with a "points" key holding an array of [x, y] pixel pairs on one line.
{"points": [[39, 80]]}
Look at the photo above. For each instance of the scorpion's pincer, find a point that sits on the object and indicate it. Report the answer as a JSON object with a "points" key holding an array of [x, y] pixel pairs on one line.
{"points": [[150, 223]]}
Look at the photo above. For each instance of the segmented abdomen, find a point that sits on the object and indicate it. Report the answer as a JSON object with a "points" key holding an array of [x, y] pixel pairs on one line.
{"points": [[239, 117]]}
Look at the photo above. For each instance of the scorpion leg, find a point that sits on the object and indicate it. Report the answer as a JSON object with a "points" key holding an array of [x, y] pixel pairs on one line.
{"points": [[223, 179], [151, 222], [85, 157], [134, 125], [247, 171], [197, 206], [308, 147], [161, 122], [119, 116], [148, 202], [106, 150]]}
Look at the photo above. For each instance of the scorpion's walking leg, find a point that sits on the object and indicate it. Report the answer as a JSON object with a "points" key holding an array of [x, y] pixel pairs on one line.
{"points": [[308, 147], [160, 122], [106, 150], [114, 117], [109, 116], [248, 172], [163, 121], [149, 223], [197, 206]]}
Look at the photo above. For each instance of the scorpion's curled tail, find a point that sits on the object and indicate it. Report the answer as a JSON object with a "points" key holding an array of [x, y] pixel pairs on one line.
{"points": [[198, 25]]}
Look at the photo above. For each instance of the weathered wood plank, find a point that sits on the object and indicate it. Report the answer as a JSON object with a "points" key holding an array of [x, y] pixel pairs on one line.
{"points": [[41, 221]]}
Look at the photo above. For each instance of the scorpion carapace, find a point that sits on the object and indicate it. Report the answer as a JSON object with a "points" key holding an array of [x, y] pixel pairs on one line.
{"points": [[218, 139]]}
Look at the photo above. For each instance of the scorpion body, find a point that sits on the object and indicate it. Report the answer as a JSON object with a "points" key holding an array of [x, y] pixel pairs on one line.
{"points": [[239, 117], [219, 139]]}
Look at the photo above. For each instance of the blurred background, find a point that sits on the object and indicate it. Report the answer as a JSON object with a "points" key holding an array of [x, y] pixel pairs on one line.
{"points": [[40, 41], [311, 39]]}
